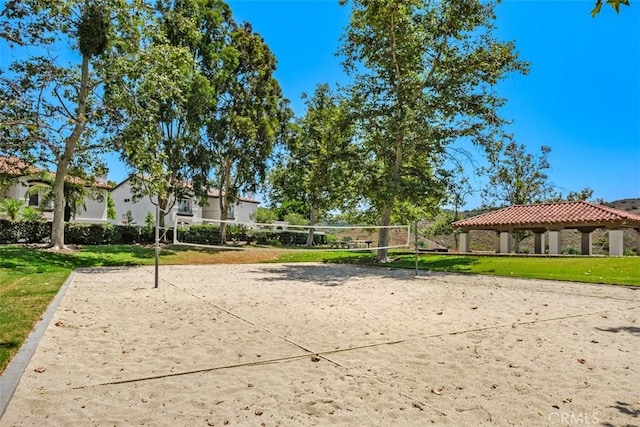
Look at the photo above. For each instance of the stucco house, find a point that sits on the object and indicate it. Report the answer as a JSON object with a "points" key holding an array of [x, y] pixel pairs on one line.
{"points": [[128, 209], [93, 210]]}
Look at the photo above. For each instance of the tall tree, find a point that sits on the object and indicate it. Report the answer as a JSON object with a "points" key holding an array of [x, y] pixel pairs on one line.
{"points": [[321, 159], [248, 120], [517, 177], [161, 99], [424, 74], [54, 98]]}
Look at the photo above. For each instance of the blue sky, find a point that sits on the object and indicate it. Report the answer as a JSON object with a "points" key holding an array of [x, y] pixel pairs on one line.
{"points": [[581, 96]]}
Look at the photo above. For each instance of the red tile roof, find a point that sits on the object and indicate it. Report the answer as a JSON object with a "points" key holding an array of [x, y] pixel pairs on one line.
{"points": [[559, 214], [13, 166], [16, 167]]}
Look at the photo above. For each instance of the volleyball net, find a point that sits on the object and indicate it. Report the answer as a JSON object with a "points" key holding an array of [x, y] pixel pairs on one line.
{"points": [[247, 235]]}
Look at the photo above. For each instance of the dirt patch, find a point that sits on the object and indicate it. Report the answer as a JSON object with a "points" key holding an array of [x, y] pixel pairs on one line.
{"points": [[235, 256]]}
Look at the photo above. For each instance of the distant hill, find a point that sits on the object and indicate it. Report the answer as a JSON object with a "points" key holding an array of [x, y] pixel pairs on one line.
{"points": [[628, 205]]}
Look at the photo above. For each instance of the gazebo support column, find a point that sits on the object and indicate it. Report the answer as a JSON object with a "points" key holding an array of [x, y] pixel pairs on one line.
{"points": [[555, 244], [616, 242], [586, 244], [464, 240], [587, 240], [497, 242], [538, 241], [638, 241], [505, 242]]}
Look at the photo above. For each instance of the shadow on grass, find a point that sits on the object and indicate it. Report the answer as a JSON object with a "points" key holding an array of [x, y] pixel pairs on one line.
{"points": [[32, 260], [135, 251], [15, 257], [9, 345], [452, 264]]}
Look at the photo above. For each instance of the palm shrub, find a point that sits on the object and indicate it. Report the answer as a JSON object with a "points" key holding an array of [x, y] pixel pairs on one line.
{"points": [[30, 213], [11, 208]]}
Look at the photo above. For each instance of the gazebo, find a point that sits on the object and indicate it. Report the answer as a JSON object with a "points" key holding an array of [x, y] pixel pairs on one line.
{"points": [[552, 218]]}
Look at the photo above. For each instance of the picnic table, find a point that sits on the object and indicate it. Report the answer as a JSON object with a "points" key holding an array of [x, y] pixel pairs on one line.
{"points": [[350, 244]]}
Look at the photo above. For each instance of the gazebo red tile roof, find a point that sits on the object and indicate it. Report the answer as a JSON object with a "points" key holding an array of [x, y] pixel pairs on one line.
{"points": [[556, 215]]}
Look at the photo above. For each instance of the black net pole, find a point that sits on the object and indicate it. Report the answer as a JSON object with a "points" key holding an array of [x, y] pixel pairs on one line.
{"points": [[157, 236], [415, 230]]}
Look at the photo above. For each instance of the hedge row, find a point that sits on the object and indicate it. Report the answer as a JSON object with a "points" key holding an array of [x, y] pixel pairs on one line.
{"points": [[109, 234], [210, 235], [76, 234]]}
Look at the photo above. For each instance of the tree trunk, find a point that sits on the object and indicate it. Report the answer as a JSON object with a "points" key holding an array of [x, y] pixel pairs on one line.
{"points": [[162, 207], [59, 202], [383, 235], [223, 219], [395, 176], [312, 222], [224, 198]]}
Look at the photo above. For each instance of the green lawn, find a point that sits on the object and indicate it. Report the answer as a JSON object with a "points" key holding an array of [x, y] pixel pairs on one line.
{"points": [[608, 270], [30, 278]]}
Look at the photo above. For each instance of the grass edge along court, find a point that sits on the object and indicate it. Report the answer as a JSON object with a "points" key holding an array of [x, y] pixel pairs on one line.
{"points": [[30, 278]]}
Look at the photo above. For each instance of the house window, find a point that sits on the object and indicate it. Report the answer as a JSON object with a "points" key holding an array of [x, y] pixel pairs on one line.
{"points": [[34, 200], [184, 207], [231, 214]]}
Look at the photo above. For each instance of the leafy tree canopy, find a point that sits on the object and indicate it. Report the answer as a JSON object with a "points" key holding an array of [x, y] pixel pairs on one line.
{"points": [[424, 77], [51, 104]]}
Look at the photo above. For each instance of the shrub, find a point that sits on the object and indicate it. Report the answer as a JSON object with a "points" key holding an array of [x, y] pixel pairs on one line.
{"points": [[203, 234], [237, 232], [571, 251], [24, 231], [129, 234], [264, 216], [285, 237], [149, 220], [11, 207], [295, 218], [91, 234], [30, 213]]}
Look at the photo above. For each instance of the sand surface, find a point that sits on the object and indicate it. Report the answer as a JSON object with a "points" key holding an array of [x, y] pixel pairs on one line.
{"points": [[313, 344]]}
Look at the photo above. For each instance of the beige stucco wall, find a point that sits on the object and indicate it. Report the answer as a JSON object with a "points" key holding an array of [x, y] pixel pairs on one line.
{"points": [[243, 210]]}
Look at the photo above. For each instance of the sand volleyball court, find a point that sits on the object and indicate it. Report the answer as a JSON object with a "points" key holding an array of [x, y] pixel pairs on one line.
{"points": [[316, 344]]}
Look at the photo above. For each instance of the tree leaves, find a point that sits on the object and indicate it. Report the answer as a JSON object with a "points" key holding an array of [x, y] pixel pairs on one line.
{"points": [[615, 4], [92, 30], [424, 75], [322, 160]]}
